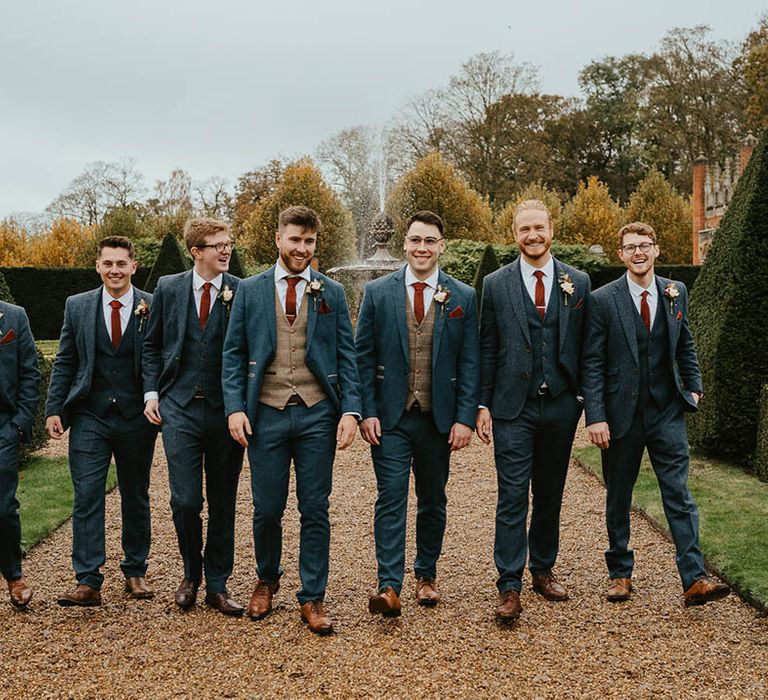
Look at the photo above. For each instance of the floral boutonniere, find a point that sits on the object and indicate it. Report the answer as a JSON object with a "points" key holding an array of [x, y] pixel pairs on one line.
{"points": [[141, 312], [671, 291], [315, 289], [441, 296], [566, 284], [225, 297]]}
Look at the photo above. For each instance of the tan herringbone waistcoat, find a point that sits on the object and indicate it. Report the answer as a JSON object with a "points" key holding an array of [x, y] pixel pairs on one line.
{"points": [[419, 356]]}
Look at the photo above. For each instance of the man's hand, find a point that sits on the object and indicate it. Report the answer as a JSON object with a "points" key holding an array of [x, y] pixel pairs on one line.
{"points": [[696, 397], [460, 436], [345, 433], [152, 412], [54, 428], [239, 427], [370, 429], [599, 434], [484, 423]]}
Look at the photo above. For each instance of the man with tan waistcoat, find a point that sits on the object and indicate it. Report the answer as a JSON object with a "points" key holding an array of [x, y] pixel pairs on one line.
{"points": [[291, 394]]}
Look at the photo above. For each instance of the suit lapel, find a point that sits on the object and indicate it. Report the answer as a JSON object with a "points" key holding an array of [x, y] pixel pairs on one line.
{"points": [[226, 281], [92, 314], [397, 294], [440, 318], [514, 286], [268, 293], [182, 292], [564, 309], [311, 310], [669, 310], [626, 308], [138, 337]]}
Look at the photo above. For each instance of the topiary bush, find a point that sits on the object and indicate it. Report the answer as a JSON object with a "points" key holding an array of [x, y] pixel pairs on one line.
{"points": [[169, 261], [761, 446], [236, 265], [5, 290], [488, 263], [729, 305]]}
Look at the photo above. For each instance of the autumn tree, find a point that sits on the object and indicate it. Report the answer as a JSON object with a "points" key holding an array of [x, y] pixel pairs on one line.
{"points": [[251, 188], [301, 183], [68, 243], [13, 244], [591, 216], [434, 184], [504, 222], [752, 65]]}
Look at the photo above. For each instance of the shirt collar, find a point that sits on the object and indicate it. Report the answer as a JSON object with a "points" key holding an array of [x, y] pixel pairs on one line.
{"points": [[125, 300], [431, 281], [527, 269], [280, 273], [636, 290], [198, 281]]}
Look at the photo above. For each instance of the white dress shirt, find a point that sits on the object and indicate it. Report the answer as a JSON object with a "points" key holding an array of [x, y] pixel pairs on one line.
{"points": [[197, 289], [125, 312], [281, 286], [636, 291], [529, 279], [429, 290]]}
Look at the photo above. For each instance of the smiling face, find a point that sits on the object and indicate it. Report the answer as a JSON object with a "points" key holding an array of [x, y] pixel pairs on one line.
{"points": [[296, 245], [209, 262], [533, 234], [423, 245], [639, 263], [116, 269]]}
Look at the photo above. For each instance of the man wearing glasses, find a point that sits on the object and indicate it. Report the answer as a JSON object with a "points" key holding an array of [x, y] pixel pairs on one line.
{"points": [[640, 373], [182, 380], [417, 354]]}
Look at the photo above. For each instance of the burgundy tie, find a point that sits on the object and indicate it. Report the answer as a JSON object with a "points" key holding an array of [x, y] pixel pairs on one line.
{"points": [[418, 300], [117, 330], [205, 304], [540, 304], [290, 299], [645, 311]]}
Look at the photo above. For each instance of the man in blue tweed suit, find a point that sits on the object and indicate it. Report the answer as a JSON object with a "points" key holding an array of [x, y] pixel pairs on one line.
{"points": [[640, 374], [531, 332], [417, 354], [291, 394], [19, 393], [182, 383], [96, 388]]}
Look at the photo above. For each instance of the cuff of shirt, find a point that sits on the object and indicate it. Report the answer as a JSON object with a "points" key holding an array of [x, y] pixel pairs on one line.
{"points": [[151, 395], [353, 413]]}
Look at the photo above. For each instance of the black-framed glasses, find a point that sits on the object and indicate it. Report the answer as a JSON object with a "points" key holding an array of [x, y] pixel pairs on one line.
{"points": [[417, 241], [220, 247], [632, 247]]}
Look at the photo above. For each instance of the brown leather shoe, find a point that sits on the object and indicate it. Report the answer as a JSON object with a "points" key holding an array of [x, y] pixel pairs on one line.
{"points": [[186, 594], [83, 596], [317, 618], [261, 600], [619, 589], [427, 593], [386, 603], [224, 604], [548, 586], [138, 588], [509, 608], [21, 592], [705, 590]]}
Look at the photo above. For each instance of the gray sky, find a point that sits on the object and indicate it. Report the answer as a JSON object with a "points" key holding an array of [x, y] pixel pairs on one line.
{"points": [[217, 88]]}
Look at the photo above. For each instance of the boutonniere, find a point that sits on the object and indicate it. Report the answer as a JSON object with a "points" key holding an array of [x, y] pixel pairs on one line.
{"points": [[566, 284], [141, 312], [441, 296], [225, 297], [315, 289], [671, 292]]}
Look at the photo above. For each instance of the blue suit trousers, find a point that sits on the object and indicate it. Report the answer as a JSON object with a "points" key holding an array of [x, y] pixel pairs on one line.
{"points": [[10, 526]]}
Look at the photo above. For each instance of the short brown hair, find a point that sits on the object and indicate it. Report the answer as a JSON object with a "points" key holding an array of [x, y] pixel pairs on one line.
{"points": [[531, 205], [426, 217], [118, 242], [299, 215], [639, 228], [196, 230]]}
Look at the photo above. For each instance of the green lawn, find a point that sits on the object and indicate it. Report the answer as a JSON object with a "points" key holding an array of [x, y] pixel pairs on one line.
{"points": [[733, 516], [45, 495]]}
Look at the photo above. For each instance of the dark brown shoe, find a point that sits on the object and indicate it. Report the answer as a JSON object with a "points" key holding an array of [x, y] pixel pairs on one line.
{"points": [[548, 586], [261, 600], [138, 588], [317, 618], [427, 593], [224, 604], [509, 608], [386, 603], [619, 589], [186, 594], [83, 596], [705, 590], [21, 592]]}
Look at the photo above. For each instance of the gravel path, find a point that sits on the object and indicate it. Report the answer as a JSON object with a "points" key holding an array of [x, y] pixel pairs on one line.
{"points": [[586, 647]]}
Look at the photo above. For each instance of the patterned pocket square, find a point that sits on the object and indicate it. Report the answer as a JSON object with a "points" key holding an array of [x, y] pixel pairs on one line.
{"points": [[9, 337], [324, 308], [458, 312], [579, 303], [679, 316]]}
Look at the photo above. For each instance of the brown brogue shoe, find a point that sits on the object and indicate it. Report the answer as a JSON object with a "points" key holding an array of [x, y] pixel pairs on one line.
{"points": [[83, 596], [317, 618], [261, 600], [619, 589], [427, 593], [186, 594], [549, 587], [21, 592], [509, 608], [137, 587], [385, 602], [224, 604], [705, 590]]}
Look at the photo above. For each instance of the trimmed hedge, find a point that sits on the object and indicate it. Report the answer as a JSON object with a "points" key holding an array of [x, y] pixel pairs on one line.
{"points": [[488, 263], [169, 261], [729, 305], [236, 266], [39, 436], [761, 447], [5, 291]]}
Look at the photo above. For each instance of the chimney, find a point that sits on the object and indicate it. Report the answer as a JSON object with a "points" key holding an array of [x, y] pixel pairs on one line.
{"points": [[697, 203], [747, 146]]}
